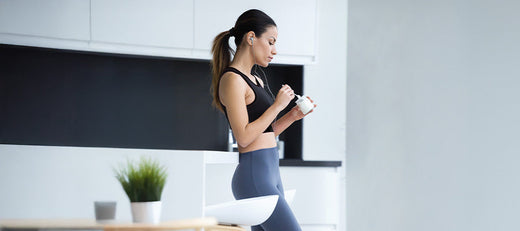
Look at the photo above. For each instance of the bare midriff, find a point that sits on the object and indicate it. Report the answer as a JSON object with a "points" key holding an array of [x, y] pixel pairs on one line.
{"points": [[265, 140]]}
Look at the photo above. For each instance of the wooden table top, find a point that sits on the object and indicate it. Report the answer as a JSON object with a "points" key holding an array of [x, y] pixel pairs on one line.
{"points": [[208, 223]]}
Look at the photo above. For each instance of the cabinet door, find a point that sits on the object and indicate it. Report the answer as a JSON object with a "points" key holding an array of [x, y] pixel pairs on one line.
{"points": [[63, 19], [161, 23], [316, 200], [296, 21]]}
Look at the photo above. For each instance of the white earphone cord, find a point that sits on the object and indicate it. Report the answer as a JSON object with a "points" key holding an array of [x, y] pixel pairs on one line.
{"points": [[255, 70]]}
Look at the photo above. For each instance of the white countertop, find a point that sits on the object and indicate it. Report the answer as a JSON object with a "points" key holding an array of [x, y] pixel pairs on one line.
{"points": [[63, 182]]}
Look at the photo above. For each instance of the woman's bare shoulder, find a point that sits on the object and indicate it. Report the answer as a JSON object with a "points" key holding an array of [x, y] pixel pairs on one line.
{"points": [[232, 88], [231, 80]]}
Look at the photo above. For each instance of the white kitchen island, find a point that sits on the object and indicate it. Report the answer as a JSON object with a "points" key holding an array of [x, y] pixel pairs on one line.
{"points": [[40, 182]]}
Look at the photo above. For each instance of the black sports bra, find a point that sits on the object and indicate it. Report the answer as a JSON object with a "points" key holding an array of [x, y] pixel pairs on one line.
{"points": [[262, 99]]}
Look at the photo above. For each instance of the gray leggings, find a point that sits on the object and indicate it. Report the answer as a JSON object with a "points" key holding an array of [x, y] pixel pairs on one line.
{"points": [[258, 174]]}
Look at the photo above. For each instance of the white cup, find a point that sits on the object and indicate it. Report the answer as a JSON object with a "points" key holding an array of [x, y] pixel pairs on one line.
{"points": [[304, 104]]}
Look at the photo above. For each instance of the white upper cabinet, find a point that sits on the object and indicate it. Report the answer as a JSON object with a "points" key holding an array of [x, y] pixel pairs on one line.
{"points": [[173, 28], [63, 19], [296, 21], [156, 23]]}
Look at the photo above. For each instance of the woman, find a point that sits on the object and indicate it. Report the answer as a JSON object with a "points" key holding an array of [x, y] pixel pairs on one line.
{"points": [[251, 110]]}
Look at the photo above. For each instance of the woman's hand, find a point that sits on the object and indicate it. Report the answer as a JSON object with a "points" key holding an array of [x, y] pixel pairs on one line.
{"points": [[290, 117], [284, 96], [297, 114]]}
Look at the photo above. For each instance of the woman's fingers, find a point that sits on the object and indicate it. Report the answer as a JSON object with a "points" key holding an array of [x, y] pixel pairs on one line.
{"points": [[312, 101], [287, 90], [285, 95]]}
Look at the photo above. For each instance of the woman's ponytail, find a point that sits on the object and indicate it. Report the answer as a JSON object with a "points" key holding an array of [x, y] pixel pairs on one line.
{"points": [[221, 59]]}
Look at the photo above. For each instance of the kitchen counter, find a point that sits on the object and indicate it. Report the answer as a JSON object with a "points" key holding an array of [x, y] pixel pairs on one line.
{"points": [[307, 163], [40, 182]]}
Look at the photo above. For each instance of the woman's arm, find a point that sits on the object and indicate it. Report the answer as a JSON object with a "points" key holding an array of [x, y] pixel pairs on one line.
{"points": [[232, 92], [290, 117]]}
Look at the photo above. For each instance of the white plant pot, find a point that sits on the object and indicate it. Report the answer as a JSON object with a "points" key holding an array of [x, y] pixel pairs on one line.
{"points": [[146, 212]]}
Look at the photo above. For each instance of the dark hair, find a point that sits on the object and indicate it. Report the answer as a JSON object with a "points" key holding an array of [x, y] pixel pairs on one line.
{"points": [[251, 20]]}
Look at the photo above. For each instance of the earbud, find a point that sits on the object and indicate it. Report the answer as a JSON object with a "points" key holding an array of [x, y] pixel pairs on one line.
{"points": [[251, 40]]}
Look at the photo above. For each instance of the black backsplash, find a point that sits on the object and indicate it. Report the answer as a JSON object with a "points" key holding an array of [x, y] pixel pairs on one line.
{"points": [[73, 98], [293, 76]]}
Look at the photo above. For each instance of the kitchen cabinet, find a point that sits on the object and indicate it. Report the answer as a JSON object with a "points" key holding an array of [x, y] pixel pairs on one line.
{"points": [[296, 22], [155, 23], [182, 28], [316, 201], [59, 19], [69, 179], [41, 182]]}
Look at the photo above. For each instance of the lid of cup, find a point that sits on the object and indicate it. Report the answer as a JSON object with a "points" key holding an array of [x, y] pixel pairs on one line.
{"points": [[300, 98]]}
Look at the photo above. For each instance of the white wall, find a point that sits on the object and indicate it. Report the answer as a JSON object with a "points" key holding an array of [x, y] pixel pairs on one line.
{"points": [[324, 131], [433, 115]]}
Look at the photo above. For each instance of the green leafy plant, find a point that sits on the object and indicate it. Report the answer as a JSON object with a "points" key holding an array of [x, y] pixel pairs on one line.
{"points": [[143, 181]]}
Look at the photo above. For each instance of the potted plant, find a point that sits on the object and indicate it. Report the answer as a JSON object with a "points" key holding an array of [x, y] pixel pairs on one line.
{"points": [[143, 183]]}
